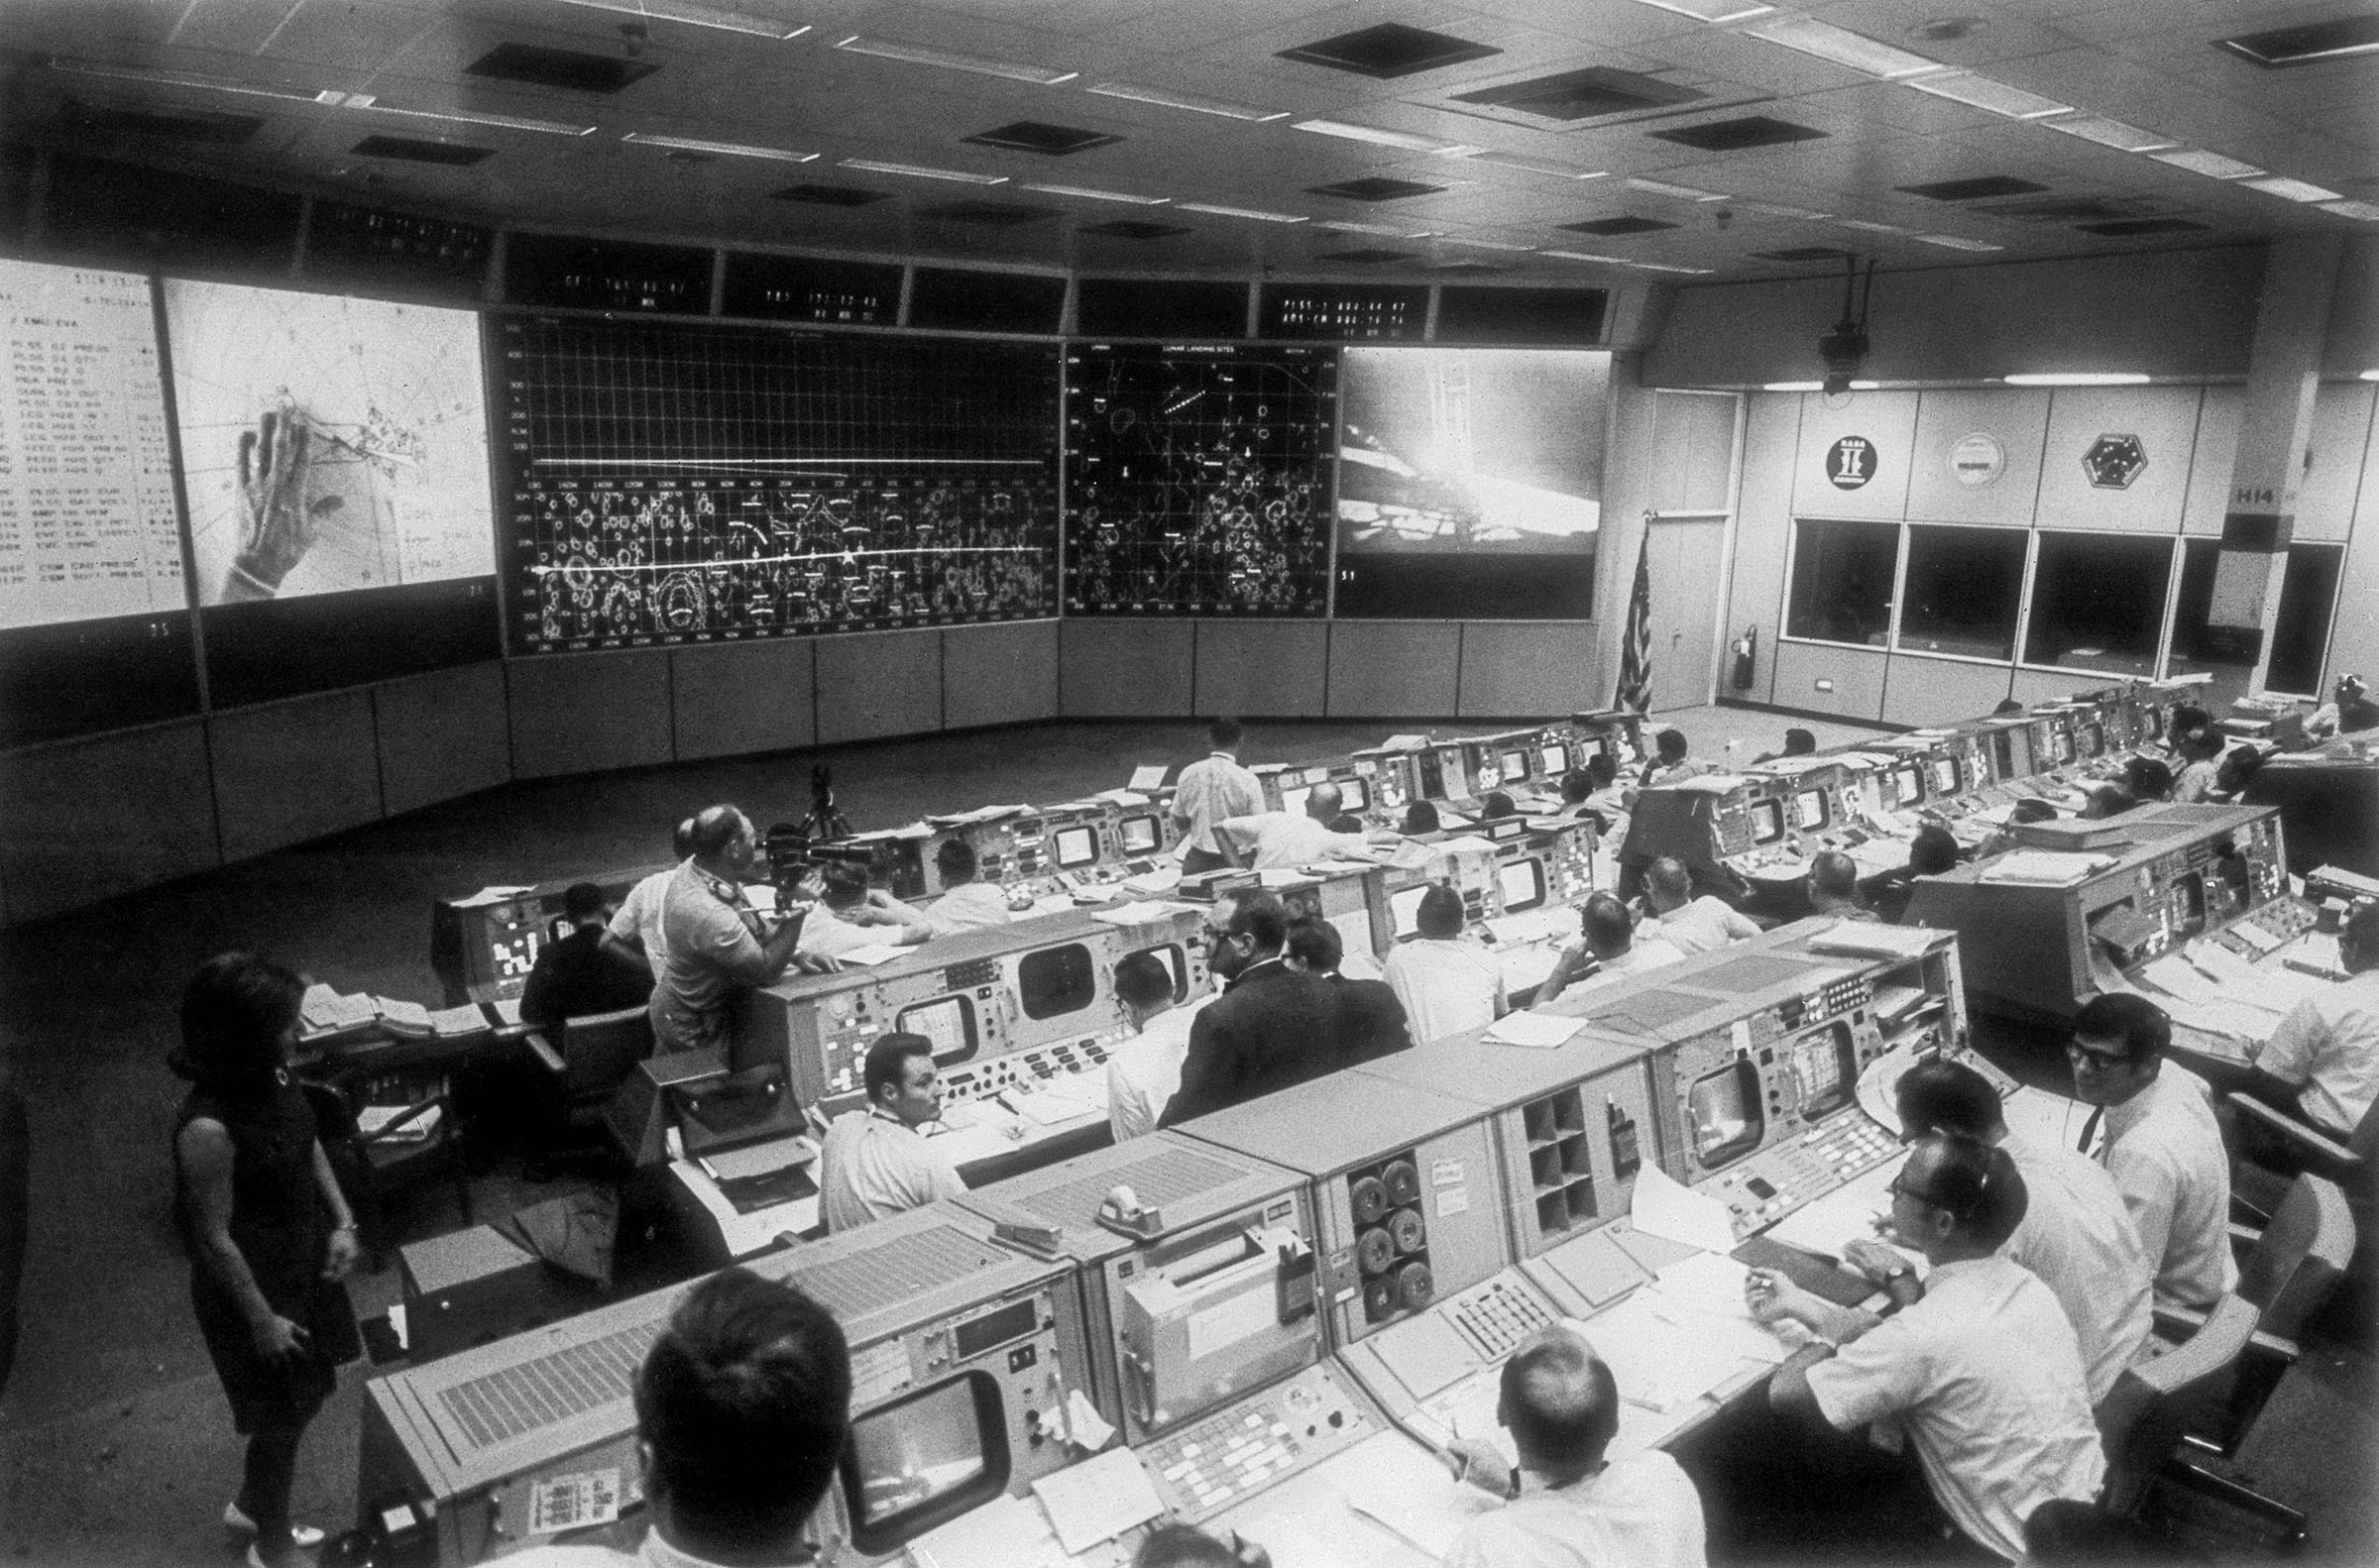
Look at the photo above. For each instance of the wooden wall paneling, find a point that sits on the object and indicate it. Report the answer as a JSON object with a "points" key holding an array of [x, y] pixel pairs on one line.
{"points": [[1267, 669], [286, 772], [441, 735], [872, 684], [87, 820], [1395, 669], [1855, 674], [1541, 669], [2015, 417], [1918, 692], [583, 713], [740, 698], [1125, 668], [999, 675]]}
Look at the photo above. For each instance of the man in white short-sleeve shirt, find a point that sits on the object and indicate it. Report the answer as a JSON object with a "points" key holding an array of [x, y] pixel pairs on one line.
{"points": [[965, 904], [2163, 1146], [1612, 949], [1568, 1503], [1278, 839], [2326, 1051], [1145, 1072], [1212, 791], [1688, 924], [634, 931], [1979, 1368], [878, 1161], [1447, 983], [714, 944]]}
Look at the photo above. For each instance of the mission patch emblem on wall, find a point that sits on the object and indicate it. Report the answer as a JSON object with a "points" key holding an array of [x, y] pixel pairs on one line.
{"points": [[1978, 459], [1851, 462], [2114, 460]]}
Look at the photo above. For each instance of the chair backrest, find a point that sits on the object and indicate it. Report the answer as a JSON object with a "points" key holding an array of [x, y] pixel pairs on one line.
{"points": [[600, 1049], [2290, 1272], [2144, 1414]]}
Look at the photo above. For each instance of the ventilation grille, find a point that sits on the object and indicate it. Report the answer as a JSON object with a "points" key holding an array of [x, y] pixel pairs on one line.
{"points": [[1975, 190], [1037, 136], [1740, 135], [2340, 38], [1165, 1177], [2077, 209], [1376, 188], [899, 1269], [503, 1405], [1629, 225], [1588, 95]]}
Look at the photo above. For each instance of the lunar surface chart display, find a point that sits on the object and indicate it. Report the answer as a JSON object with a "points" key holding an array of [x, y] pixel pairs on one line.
{"points": [[1199, 479], [671, 482]]}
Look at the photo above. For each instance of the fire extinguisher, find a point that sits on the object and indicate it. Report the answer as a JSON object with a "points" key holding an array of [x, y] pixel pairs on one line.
{"points": [[1747, 654]]}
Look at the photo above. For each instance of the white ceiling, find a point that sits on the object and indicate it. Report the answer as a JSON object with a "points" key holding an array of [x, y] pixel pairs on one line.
{"points": [[2148, 62]]}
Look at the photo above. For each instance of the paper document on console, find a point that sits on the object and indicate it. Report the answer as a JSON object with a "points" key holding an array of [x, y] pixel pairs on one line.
{"points": [[1703, 1294], [1430, 1514], [1098, 1499], [1658, 1365], [1664, 1208], [1544, 1031], [493, 893], [1149, 775], [1005, 1532]]}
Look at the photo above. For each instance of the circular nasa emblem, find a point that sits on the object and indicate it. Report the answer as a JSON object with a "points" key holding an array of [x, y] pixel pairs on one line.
{"points": [[1851, 462], [1978, 459]]}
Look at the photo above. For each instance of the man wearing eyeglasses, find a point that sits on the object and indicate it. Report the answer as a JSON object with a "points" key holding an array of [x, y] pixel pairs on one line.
{"points": [[1272, 1026], [1979, 1368], [2163, 1145]]}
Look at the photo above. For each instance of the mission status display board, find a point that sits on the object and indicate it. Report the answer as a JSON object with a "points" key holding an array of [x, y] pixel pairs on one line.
{"points": [[1199, 479], [677, 483]]}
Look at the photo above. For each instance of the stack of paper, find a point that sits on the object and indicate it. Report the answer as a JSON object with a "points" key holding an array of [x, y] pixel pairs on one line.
{"points": [[1098, 1499], [450, 1022], [323, 1010], [1661, 1207], [1540, 1029], [372, 1119], [1141, 912], [871, 955], [403, 1018], [2043, 867]]}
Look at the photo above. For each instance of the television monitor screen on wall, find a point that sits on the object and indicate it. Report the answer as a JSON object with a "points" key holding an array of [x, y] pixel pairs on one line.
{"points": [[1470, 482]]}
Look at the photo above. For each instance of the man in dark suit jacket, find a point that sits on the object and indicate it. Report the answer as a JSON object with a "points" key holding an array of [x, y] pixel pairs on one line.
{"points": [[1272, 1027], [1371, 1021]]}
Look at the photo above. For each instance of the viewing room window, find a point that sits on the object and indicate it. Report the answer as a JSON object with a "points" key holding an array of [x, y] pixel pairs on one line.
{"points": [[1961, 591], [2098, 601], [1841, 580], [2300, 636]]}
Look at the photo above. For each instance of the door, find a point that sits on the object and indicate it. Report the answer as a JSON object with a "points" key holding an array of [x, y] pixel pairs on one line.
{"points": [[1686, 560]]}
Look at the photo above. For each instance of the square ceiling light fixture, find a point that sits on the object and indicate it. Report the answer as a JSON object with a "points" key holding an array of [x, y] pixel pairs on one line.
{"points": [[1738, 135], [1039, 136], [1973, 190], [1616, 226], [2313, 44], [563, 68], [1132, 229], [1378, 187], [1389, 50], [1588, 95]]}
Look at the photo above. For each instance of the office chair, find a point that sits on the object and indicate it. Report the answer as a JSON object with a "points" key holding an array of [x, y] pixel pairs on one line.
{"points": [[2270, 1146], [378, 1168], [590, 1059]]}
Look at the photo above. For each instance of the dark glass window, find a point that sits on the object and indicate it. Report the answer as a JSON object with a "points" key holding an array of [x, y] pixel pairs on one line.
{"points": [[1961, 591], [1842, 580], [2301, 637], [2098, 601]]}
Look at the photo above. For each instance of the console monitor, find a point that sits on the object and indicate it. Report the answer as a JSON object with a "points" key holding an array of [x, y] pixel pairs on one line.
{"points": [[1810, 804], [1140, 835], [949, 1022], [1076, 847], [1945, 775], [2061, 742], [2093, 740], [1767, 821], [1909, 781], [1293, 801], [1056, 981], [1554, 760], [1522, 883], [1725, 1116], [1176, 965], [925, 1459], [1821, 1063], [1515, 765], [1355, 794], [1406, 906]]}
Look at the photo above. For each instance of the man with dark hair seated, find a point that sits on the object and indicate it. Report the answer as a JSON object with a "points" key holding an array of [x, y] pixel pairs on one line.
{"points": [[2163, 1146], [1420, 817], [1371, 1021], [2148, 779], [1933, 851], [2322, 1061], [965, 903], [577, 974], [1144, 1071], [878, 1161], [1188, 1547], [1445, 981], [1272, 1026], [2076, 1234], [1569, 1504], [742, 1408], [851, 915], [1498, 804], [1979, 1368]]}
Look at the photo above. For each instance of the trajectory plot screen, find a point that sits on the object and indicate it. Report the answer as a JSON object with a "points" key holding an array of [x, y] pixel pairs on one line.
{"points": [[328, 443], [678, 482], [1470, 482], [1199, 479]]}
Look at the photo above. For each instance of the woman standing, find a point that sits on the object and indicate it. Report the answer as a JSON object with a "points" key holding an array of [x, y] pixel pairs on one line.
{"points": [[270, 1232]]}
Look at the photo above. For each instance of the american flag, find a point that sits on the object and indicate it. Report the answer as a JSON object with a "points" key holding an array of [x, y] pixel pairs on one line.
{"points": [[1636, 646]]}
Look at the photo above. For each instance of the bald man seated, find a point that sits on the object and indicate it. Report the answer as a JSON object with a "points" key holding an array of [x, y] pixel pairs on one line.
{"points": [[1568, 1503], [1612, 948], [1834, 887], [1274, 840]]}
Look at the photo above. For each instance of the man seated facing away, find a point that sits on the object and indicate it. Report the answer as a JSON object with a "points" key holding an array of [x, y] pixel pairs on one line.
{"points": [[1687, 923], [878, 1161], [1610, 950], [2201, 753], [742, 1408], [965, 904], [2322, 1061], [1933, 852], [712, 942], [1420, 817], [2163, 1146], [2076, 1233], [1979, 1367], [1798, 743], [1498, 805], [2029, 809], [1568, 1504], [1446, 983], [1371, 1020], [2349, 710], [1272, 1027], [1834, 887], [581, 975], [851, 914], [1145, 1070], [1667, 763], [1274, 840], [2148, 778], [634, 934]]}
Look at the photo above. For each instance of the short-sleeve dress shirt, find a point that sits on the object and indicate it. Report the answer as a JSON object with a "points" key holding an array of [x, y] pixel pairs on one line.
{"points": [[2077, 1237], [1640, 1511], [2165, 1152], [639, 917], [707, 944], [1449, 985], [2329, 1043], [1704, 925], [1213, 790], [1145, 1073], [874, 1166]]}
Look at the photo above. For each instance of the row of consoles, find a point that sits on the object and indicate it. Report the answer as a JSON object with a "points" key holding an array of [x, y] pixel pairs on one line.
{"points": [[1094, 851], [1246, 1297]]}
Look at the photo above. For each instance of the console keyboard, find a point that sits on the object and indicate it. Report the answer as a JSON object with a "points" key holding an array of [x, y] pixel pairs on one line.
{"points": [[1211, 1464], [1497, 1317]]}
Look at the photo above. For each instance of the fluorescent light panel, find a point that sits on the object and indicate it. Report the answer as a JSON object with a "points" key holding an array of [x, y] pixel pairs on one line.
{"points": [[1088, 194], [1951, 242], [1587, 256], [1662, 267], [1221, 211], [1793, 387], [2362, 211], [1390, 230], [504, 122], [1486, 244], [1191, 101], [689, 144], [954, 59], [698, 15], [1531, 166], [2368, 376], [1866, 227], [2078, 379], [1710, 10], [2213, 166], [920, 172], [2112, 133], [1379, 136], [1777, 210], [1661, 188], [1981, 92], [187, 79], [2293, 189], [1844, 47]]}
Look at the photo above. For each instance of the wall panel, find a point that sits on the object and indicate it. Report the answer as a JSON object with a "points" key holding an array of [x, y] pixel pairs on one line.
{"points": [[1771, 431], [91, 819], [1267, 669], [2163, 418], [1855, 674], [1886, 423], [1919, 692], [584, 713], [2354, 631], [999, 675], [2032, 687], [1394, 669], [2339, 442], [1125, 669], [878, 683], [737, 699], [2220, 414], [441, 735], [1529, 669], [286, 772], [2016, 417]]}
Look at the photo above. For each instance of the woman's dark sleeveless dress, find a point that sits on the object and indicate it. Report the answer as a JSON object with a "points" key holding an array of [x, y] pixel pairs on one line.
{"points": [[282, 1229]]}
